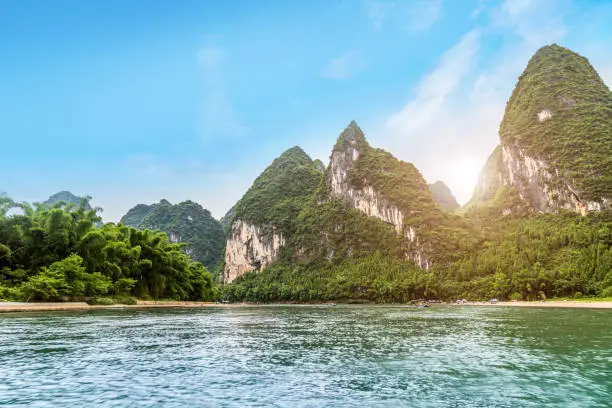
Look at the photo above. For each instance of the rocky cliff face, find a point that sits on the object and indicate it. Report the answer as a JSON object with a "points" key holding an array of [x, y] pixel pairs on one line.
{"points": [[266, 214], [365, 199], [556, 137], [248, 248], [349, 160]]}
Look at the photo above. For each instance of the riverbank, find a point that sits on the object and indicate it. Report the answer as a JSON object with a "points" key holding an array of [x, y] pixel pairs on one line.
{"points": [[550, 303], [7, 307]]}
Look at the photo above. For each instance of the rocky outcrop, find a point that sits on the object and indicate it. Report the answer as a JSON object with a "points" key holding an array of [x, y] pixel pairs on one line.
{"points": [[366, 199], [350, 146], [249, 248], [541, 185], [265, 216], [556, 151]]}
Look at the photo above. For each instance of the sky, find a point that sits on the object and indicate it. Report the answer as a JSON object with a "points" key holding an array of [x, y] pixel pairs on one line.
{"points": [[134, 101]]}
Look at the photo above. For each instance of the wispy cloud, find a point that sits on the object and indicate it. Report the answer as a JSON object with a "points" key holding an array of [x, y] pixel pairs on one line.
{"points": [[218, 118], [436, 86], [422, 14], [413, 16], [345, 66], [458, 106]]}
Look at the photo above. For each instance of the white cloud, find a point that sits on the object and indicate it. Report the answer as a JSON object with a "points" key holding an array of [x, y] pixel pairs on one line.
{"points": [[451, 125], [420, 113], [422, 14], [218, 118], [345, 66], [412, 15]]}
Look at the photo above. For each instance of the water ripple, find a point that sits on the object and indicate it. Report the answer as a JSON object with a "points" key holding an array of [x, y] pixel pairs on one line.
{"points": [[308, 356]]}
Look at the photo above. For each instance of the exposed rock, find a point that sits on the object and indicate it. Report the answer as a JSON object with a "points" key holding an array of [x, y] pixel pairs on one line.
{"points": [[266, 213], [556, 145], [350, 146], [249, 248]]}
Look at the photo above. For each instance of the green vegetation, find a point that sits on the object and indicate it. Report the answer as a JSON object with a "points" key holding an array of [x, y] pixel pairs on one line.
{"points": [[515, 259], [280, 192], [577, 139], [489, 180], [226, 220], [443, 196], [51, 253], [440, 234], [186, 222]]}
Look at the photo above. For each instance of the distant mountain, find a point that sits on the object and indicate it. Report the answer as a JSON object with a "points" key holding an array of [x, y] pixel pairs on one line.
{"points": [[443, 196], [186, 222], [227, 218], [68, 198]]}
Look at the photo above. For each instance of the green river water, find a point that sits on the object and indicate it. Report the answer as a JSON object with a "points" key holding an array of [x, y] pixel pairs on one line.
{"points": [[308, 356]]}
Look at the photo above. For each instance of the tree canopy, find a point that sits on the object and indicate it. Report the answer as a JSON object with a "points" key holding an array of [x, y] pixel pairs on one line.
{"points": [[57, 252]]}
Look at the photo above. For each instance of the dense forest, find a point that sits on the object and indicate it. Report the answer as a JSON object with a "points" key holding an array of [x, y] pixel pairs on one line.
{"points": [[56, 252], [540, 257], [186, 222]]}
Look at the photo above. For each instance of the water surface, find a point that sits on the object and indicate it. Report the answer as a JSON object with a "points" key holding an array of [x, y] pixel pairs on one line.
{"points": [[308, 356]]}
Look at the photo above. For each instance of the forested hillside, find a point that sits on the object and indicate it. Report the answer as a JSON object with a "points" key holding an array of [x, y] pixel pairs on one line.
{"points": [[186, 222], [56, 253]]}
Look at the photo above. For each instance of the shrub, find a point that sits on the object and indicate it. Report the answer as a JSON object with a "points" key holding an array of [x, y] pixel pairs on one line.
{"points": [[516, 296], [103, 301], [126, 300], [607, 292]]}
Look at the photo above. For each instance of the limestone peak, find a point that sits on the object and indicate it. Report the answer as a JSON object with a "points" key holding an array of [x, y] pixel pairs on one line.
{"points": [[352, 135]]}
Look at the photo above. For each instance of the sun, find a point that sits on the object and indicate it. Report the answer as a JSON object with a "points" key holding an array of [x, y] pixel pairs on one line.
{"points": [[463, 176]]}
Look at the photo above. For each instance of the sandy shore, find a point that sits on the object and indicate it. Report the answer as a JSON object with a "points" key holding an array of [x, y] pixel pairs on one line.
{"points": [[68, 306], [6, 307], [552, 303]]}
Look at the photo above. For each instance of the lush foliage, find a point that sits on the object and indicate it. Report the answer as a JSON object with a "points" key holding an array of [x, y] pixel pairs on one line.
{"points": [[489, 179], [375, 278], [515, 258], [440, 234], [577, 139], [186, 222], [280, 192], [56, 252]]}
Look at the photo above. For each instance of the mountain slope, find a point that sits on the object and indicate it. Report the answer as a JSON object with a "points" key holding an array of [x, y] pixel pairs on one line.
{"points": [[556, 136], [443, 196], [265, 216], [186, 222], [68, 198]]}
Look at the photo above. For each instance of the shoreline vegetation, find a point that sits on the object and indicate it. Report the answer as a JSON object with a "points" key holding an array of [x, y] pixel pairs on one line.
{"points": [[15, 307]]}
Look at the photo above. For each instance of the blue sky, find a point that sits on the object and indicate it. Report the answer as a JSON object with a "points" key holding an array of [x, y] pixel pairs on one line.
{"points": [[134, 101]]}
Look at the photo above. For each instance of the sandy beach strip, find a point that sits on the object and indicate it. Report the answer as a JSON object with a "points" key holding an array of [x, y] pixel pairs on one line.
{"points": [[551, 303], [10, 307]]}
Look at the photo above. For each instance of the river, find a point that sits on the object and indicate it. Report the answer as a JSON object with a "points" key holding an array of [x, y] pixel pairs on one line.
{"points": [[308, 356]]}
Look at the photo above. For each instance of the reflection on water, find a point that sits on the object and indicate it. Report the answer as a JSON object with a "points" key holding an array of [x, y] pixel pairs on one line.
{"points": [[309, 356]]}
